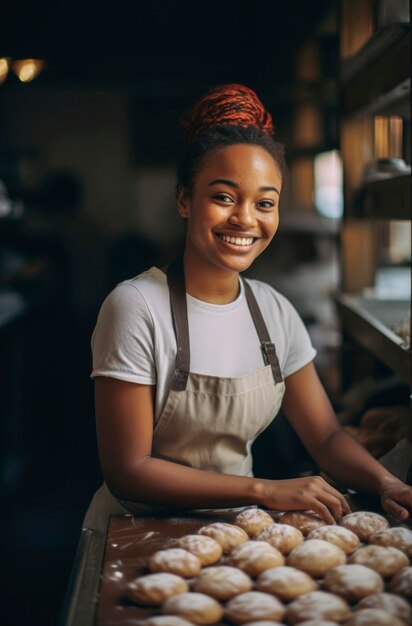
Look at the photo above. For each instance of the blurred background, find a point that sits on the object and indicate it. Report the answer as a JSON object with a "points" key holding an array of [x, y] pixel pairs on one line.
{"points": [[90, 98]]}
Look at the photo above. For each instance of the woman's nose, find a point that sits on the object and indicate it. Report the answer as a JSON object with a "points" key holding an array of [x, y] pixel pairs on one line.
{"points": [[243, 215]]}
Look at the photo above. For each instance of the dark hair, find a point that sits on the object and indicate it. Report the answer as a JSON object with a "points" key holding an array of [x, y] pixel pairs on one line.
{"points": [[218, 137], [226, 115]]}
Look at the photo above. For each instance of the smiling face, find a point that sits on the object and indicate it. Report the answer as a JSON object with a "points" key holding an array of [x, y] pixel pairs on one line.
{"points": [[233, 210]]}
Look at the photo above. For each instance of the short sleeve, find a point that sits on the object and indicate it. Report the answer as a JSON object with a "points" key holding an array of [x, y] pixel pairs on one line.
{"points": [[300, 350], [122, 342]]}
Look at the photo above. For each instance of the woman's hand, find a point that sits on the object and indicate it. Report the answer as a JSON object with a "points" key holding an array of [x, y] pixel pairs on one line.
{"points": [[396, 498], [312, 492]]}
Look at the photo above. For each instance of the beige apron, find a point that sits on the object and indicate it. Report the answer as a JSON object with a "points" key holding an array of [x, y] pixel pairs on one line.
{"points": [[208, 422]]}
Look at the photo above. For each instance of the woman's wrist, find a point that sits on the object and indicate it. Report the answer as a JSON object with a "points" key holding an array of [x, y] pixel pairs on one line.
{"points": [[258, 491]]}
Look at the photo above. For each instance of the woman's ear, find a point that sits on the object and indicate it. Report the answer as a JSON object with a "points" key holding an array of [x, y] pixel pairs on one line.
{"points": [[183, 202]]}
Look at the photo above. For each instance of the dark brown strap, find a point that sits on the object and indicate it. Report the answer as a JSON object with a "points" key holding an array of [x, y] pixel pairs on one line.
{"points": [[268, 348], [178, 305], [177, 291]]}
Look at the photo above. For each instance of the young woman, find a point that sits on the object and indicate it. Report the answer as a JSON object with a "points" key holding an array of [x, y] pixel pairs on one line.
{"points": [[192, 362]]}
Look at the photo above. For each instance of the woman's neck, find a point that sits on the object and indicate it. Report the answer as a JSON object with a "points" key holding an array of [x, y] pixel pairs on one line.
{"points": [[209, 282]]}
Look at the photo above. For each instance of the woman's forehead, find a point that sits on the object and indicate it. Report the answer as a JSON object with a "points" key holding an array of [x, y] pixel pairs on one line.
{"points": [[240, 161]]}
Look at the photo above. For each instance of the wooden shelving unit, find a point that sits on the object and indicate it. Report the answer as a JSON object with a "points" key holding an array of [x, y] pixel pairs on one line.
{"points": [[374, 81], [377, 79]]}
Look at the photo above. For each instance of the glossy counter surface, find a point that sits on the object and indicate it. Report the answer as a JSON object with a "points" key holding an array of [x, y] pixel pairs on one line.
{"points": [[104, 566]]}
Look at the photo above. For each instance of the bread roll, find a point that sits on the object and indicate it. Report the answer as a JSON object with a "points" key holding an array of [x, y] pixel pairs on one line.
{"points": [[352, 582], [282, 537], [385, 561], [364, 523], [316, 557]]}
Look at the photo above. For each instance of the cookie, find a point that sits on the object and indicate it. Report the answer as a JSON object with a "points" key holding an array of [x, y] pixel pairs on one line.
{"points": [[155, 588], [195, 607], [397, 537], [227, 535], [352, 582], [316, 557], [254, 557], [385, 561], [305, 521], [338, 535], [282, 537], [401, 583], [364, 523], [207, 550], [317, 605], [253, 521], [222, 582], [253, 606], [389, 602], [373, 617], [176, 561], [286, 583]]}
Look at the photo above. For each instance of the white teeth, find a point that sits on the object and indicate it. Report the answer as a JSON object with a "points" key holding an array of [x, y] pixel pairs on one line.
{"points": [[239, 241]]}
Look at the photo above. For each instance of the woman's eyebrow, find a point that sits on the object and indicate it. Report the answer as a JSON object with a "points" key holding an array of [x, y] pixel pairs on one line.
{"points": [[231, 183], [224, 181]]}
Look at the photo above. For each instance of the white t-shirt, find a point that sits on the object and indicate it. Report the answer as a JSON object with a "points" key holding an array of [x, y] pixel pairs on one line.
{"points": [[134, 338]]}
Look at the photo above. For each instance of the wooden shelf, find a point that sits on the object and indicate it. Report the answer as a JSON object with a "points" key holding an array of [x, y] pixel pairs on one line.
{"points": [[387, 199], [378, 77], [366, 321]]}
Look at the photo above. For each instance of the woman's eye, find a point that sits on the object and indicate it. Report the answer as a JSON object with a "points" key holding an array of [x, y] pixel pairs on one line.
{"points": [[267, 205], [223, 197]]}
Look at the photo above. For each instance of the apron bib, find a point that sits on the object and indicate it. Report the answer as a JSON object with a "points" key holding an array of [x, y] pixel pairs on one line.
{"points": [[208, 422]]}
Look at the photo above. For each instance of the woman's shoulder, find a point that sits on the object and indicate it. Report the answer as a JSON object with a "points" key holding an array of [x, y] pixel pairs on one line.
{"points": [[145, 290]]}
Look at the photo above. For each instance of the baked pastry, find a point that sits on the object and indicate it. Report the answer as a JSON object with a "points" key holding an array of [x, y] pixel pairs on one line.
{"points": [[222, 582], [364, 523], [166, 620], [389, 602], [385, 561], [338, 535], [317, 605], [401, 583], [176, 561], [205, 548], [155, 588], [286, 583], [253, 606], [373, 617], [316, 557], [352, 582], [227, 535], [195, 607], [254, 557], [305, 521], [253, 521], [397, 537], [282, 537]]}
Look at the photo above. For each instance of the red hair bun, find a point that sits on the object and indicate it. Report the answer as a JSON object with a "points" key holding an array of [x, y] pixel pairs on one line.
{"points": [[231, 104]]}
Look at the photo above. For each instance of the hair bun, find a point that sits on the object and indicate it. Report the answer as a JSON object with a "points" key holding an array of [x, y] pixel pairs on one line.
{"points": [[230, 104]]}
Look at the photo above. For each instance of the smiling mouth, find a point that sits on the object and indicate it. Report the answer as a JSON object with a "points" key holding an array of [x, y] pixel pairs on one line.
{"points": [[237, 241]]}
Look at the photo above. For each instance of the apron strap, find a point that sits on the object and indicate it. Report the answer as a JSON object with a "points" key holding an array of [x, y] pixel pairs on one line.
{"points": [[178, 305], [268, 348]]}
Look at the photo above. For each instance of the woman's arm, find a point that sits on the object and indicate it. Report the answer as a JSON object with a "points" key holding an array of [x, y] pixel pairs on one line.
{"points": [[125, 416], [336, 452]]}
